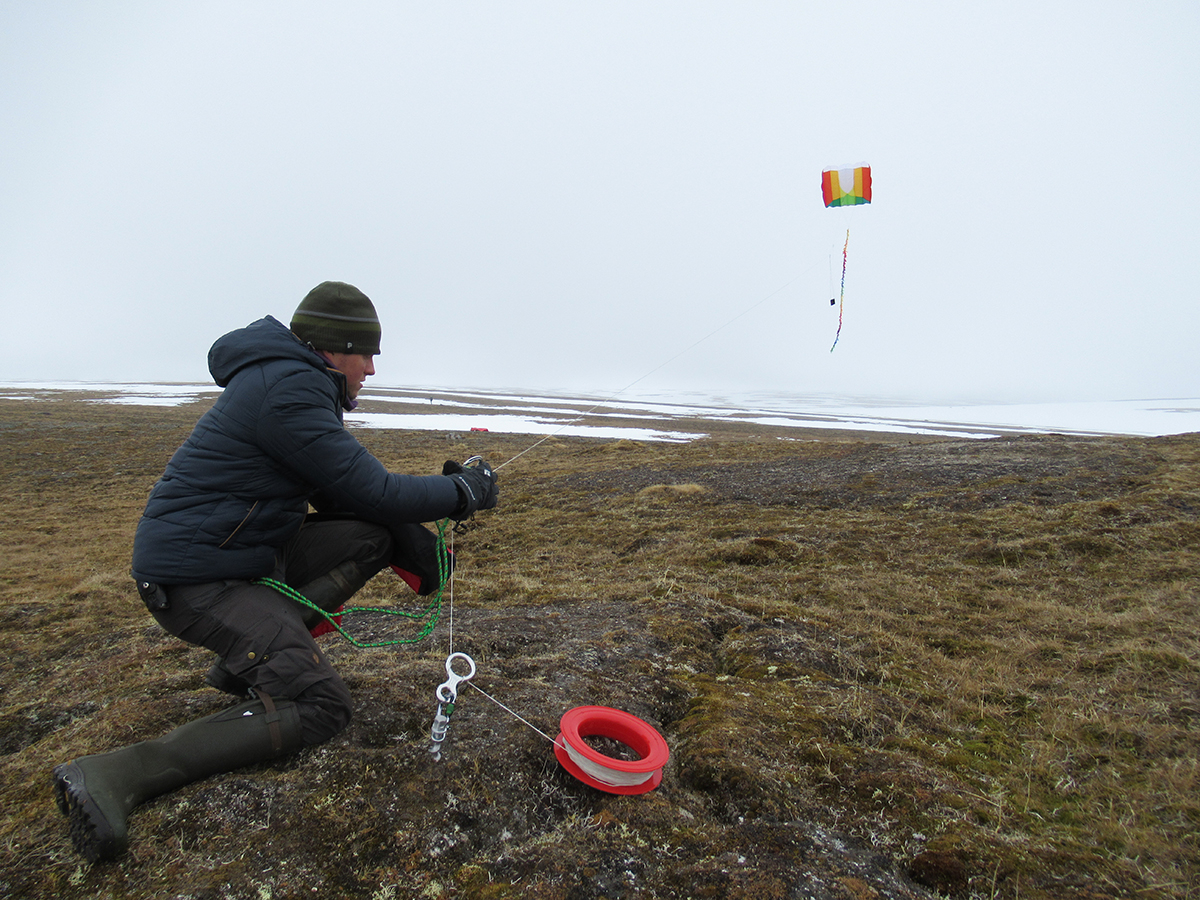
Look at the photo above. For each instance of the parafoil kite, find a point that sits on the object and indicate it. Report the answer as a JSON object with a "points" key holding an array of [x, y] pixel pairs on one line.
{"points": [[845, 186]]}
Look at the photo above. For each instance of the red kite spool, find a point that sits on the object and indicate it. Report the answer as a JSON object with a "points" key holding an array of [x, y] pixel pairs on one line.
{"points": [[606, 773]]}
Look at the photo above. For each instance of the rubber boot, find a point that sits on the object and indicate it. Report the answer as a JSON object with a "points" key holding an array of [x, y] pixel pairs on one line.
{"points": [[334, 588], [97, 793]]}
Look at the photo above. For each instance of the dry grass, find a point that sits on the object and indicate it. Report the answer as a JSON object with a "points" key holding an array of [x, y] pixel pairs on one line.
{"points": [[967, 666]]}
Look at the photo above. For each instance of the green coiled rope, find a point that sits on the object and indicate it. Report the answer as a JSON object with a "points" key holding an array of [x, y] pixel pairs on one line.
{"points": [[431, 612]]}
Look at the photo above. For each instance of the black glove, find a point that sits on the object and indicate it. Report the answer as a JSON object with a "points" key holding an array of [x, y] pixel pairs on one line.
{"points": [[476, 487]]}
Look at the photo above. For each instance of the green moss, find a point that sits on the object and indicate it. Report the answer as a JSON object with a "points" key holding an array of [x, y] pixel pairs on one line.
{"points": [[983, 681]]}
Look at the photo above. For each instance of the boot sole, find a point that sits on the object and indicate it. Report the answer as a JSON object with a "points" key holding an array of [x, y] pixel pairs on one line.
{"points": [[91, 833]]}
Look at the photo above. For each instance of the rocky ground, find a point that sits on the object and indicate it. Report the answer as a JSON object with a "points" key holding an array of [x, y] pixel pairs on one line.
{"points": [[884, 668]]}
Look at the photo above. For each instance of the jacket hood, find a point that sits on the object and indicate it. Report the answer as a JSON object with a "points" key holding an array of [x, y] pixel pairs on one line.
{"points": [[266, 339]]}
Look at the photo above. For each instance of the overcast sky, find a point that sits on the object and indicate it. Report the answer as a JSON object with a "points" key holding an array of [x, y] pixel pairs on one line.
{"points": [[571, 195]]}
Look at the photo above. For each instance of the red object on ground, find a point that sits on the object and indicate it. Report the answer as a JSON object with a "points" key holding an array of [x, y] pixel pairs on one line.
{"points": [[628, 729], [323, 627], [412, 580], [479, 429]]}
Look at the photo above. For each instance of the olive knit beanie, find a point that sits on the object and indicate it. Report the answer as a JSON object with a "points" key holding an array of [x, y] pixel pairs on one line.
{"points": [[339, 318]]}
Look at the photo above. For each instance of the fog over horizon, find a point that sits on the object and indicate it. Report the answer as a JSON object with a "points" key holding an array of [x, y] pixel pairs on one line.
{"points": [[602, 198]]}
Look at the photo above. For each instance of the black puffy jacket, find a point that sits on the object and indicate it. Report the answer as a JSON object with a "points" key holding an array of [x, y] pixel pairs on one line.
{"points": [[240, 485]]}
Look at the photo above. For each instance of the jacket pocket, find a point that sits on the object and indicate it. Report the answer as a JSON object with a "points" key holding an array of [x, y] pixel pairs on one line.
{"points": [[242, 524], [256, 644]]}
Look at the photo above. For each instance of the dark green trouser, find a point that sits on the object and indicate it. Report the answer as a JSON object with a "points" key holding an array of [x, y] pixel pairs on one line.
{"points": [[262, 636], [263, 639]]}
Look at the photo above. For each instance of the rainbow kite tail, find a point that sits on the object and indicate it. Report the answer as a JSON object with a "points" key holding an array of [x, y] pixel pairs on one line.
{"points": [[842, 302]]}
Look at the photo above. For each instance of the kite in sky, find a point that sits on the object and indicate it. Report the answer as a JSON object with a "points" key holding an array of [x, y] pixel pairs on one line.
{"points": [[845, 186]]}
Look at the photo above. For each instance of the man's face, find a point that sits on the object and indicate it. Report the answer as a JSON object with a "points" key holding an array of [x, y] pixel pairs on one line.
{"points": [[355, 367]]}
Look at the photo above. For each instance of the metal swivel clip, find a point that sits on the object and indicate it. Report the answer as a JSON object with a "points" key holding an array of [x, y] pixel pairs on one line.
{"points": [[447, 694]]}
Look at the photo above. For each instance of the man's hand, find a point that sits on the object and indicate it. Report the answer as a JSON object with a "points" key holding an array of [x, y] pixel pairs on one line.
{"points": [[476, 487]]}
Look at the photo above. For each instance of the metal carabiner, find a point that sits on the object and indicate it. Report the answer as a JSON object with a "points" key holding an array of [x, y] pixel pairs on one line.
{"points": [[447, 691]]}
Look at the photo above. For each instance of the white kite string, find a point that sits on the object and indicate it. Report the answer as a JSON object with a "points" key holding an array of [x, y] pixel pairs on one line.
{"points": [[517, 715], [584, 764], [661, 365], [595, 770], [451, 586], [604, 773]]}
